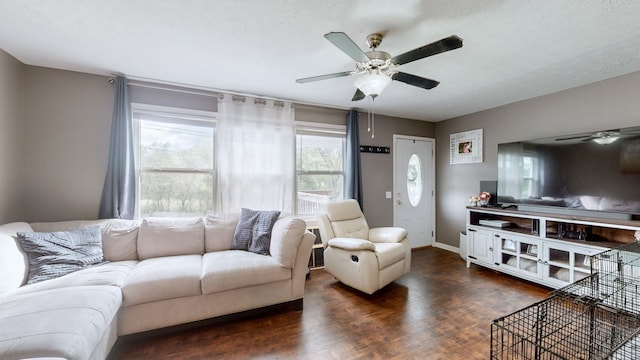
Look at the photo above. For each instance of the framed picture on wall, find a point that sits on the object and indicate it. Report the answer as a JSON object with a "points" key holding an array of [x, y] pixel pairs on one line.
{"points": [[466, 147]]}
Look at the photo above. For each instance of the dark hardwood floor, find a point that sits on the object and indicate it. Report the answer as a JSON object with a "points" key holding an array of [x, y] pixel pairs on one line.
{"points": [[440, 310]]}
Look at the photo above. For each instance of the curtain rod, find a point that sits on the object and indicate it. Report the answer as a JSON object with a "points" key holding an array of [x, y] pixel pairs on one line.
{"points": [[179, 90], [203, 91]]}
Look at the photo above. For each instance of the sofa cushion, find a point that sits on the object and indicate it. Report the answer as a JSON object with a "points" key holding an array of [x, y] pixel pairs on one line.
{"points": [[119, 236], [170, 236], [285, 239], [65, 323], [53, 254], [108, 273], [253, 232], [120, 239], [218, 231], [233, 269], [163, 278]]}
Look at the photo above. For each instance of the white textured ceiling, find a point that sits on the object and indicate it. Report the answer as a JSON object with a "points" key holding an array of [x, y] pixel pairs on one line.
{"points": [[513, 49]]}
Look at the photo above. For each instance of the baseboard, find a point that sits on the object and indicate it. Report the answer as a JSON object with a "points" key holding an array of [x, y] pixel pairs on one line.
{"points": [[446, 247]]}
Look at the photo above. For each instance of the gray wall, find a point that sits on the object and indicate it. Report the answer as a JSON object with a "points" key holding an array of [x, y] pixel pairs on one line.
{"points": [[55, 133], [64, 127], [11, 139], [67, 119], [607, 104]]}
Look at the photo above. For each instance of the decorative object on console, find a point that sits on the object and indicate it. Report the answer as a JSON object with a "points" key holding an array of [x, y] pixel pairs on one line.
{"points": [[481, 199], [484, 198], [473, 200]]}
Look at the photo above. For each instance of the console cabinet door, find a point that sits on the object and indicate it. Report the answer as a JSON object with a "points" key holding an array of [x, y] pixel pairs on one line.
{"points": [[481, 246], [519, 255], [564, 264]]}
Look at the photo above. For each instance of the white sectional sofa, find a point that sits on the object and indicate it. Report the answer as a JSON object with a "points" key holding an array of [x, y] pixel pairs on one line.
{"points": [[158, 273]]}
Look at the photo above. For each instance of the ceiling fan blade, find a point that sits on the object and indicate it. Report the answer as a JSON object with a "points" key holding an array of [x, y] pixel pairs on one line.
{"points": [[323, 77], [344, 43], [359, 95], [588, 137], [440, 46], [415, 80]]}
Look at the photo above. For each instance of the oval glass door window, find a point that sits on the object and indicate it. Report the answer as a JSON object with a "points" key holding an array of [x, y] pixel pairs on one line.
{"points": [[414, 180]]}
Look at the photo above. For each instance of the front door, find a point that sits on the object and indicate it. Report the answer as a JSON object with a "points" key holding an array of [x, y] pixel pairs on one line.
{"points": [[414, 189]]}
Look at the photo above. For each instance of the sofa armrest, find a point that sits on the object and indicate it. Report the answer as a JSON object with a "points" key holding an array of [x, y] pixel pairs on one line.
{"points": [[387, 234], [285, 239], [351, 244]]}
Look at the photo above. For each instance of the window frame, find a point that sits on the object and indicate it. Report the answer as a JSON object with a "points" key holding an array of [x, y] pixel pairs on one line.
{"points": [[312, 128], [183, 116]]}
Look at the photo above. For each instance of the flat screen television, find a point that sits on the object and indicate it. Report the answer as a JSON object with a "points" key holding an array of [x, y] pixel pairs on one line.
{"points": [[592, 174]]}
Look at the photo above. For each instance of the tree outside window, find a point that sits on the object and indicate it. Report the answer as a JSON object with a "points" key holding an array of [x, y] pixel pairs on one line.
{"points": [[176, 162], [319, 168]]}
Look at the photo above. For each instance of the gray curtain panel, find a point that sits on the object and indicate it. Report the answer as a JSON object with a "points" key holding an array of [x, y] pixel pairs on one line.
{"points": [[353, 173], [118, 194]]}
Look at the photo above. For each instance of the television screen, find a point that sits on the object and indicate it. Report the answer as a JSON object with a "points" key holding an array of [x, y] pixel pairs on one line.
{"points": [[597, 171]]}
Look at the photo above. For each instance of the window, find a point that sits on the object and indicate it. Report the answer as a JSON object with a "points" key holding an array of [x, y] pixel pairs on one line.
{"points": [[529, 176], [176, 165], [414, 180], [320, 151]]}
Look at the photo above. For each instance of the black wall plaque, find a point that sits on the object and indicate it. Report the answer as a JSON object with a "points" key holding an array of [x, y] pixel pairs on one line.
{"points": [[375, 149]]}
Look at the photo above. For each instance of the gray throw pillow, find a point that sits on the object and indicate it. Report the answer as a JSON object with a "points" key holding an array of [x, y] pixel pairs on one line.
{"points": [[253, 232], [53, 254]]}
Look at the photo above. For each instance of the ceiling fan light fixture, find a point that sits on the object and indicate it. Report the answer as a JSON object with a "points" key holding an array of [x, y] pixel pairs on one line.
{"points": [[606, 140], [372, 83], [606, 137]]}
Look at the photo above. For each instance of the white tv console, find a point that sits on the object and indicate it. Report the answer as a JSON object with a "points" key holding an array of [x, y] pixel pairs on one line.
{"points": [[533, 246]]}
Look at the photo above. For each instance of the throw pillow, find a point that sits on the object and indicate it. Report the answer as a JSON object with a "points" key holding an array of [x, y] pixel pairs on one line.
{"points": [[54, 254], [253, 232]]}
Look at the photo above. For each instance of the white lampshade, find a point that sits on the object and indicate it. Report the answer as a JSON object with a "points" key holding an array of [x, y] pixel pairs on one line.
{"points": [[372, 83], [606, 140]]}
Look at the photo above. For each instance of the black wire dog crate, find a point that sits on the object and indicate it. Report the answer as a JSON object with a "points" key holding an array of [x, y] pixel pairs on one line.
{"points": [[597, 317]]}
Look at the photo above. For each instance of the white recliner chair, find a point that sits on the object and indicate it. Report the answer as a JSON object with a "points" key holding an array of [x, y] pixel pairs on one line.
{"points": [[362, 258]]}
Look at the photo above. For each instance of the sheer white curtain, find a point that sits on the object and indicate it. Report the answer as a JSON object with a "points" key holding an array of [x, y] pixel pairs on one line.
{"points": [[255, 155]]}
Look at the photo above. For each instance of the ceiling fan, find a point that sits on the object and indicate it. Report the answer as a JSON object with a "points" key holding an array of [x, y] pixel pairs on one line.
{"points": [[603, 137], [376, 69]]}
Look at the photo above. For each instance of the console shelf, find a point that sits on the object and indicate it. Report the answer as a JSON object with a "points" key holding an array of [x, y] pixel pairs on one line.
{"points": [[548, 249]]}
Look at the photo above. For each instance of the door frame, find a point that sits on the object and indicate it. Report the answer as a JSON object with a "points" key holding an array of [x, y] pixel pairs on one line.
{"points": [[432, 172]]}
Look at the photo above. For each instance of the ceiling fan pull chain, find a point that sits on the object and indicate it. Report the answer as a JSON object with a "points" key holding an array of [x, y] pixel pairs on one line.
{"points": [[373, 119], [368, 121]]}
